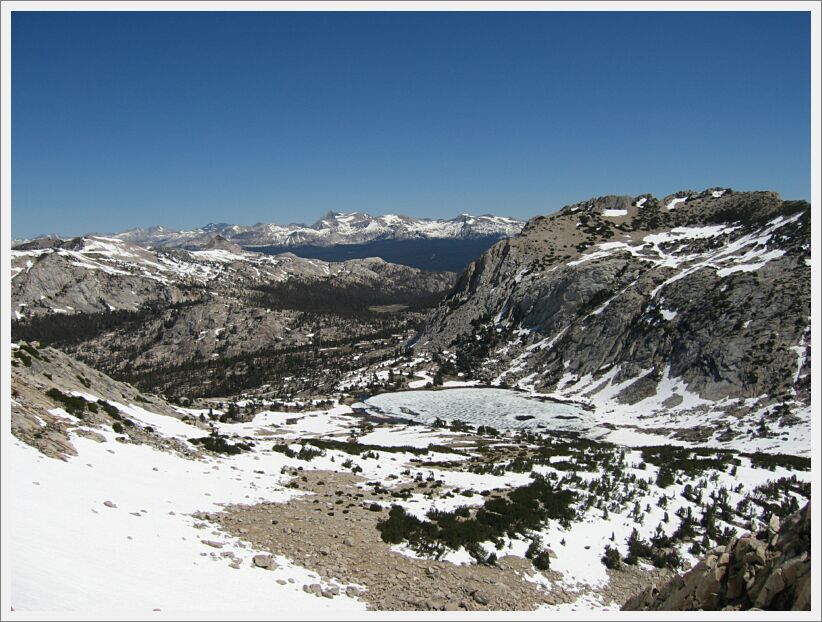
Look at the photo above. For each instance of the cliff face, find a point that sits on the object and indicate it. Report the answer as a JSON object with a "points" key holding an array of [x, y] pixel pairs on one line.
{"points": [[697, 297], [770, 571]]}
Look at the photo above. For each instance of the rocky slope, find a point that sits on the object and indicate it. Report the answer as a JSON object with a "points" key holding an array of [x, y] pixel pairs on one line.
{"points": [[131, 311], [698, 302], [41, 420], [94, 274], [333, 228], [770, 571]]}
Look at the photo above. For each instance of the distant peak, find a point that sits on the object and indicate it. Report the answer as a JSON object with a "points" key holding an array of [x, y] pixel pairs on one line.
{"points": [[212, 226], [218, 242]]}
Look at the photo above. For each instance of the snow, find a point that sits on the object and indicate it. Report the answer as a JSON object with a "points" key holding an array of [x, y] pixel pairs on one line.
{"points": [[168, 426], [450, 384], [590, 256], [218, 255], [395, 436], [614, 213], [801, 357], [641, 202], [668, 315], [674, 202], [163, 424], [98, 559], [425, 379], [325, 423], [764, 258], [655, 411]]}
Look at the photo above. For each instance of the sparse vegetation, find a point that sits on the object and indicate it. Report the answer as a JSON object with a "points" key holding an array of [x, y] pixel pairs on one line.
{"points": [[523, 509], [220, 444]]}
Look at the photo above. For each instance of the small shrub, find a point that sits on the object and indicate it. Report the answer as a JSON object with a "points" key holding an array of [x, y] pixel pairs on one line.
{"points": [[111, 411], [31, 350], [612, 557], [23, 357], [72, 404], [219, 444], [542, 561]]}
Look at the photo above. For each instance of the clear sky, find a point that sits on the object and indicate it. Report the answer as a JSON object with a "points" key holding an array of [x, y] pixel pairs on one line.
{"points": [[180, 119]]}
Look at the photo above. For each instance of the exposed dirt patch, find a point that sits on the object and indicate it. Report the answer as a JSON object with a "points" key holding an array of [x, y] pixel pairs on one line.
{"points": [[333, 533]]}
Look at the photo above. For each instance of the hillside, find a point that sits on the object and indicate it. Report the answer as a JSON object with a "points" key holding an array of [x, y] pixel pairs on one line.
{"points": [[147, 316], [687, 316], [310, 507]]}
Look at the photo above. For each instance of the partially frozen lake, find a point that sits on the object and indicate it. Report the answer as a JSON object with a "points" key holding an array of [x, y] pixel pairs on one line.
{"points": [[499, 408]]}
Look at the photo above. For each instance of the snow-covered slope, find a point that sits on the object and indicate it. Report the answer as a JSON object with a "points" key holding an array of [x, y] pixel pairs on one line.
{"points": [[123, 511]]}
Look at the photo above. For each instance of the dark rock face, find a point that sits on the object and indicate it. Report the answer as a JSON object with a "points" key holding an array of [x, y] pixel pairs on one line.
{"points": [[769, 571], [709, 288]]}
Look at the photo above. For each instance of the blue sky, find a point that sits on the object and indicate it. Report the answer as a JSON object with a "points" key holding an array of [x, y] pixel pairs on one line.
{"points": [[135, 119]]}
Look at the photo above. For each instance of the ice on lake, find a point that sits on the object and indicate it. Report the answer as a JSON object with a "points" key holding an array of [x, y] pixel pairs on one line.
{"points": [[499, 408]]}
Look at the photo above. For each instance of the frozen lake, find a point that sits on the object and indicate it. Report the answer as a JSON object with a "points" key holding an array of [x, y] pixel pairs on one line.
{"points": [[499, 408]]}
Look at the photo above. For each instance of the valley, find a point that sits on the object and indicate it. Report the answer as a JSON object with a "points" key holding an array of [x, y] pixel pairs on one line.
{"points": [[591, 407]]}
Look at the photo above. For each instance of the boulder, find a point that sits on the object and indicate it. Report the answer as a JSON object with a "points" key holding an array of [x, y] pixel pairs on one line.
{"points": [[767, 571]]}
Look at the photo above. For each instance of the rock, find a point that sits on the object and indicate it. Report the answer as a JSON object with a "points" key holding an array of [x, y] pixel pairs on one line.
{"points": [[544, 280], [724, 559], [757, 575], [213, 543], [109, 504], [773, 524], [480, 598], [261, 560]]}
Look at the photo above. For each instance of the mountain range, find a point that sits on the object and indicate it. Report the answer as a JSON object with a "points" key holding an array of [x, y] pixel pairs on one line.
{"points": [[437, 245], [331, 229]]}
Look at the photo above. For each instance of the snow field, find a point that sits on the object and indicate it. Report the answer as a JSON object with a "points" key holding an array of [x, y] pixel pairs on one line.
{"points": [[72, 553]]}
